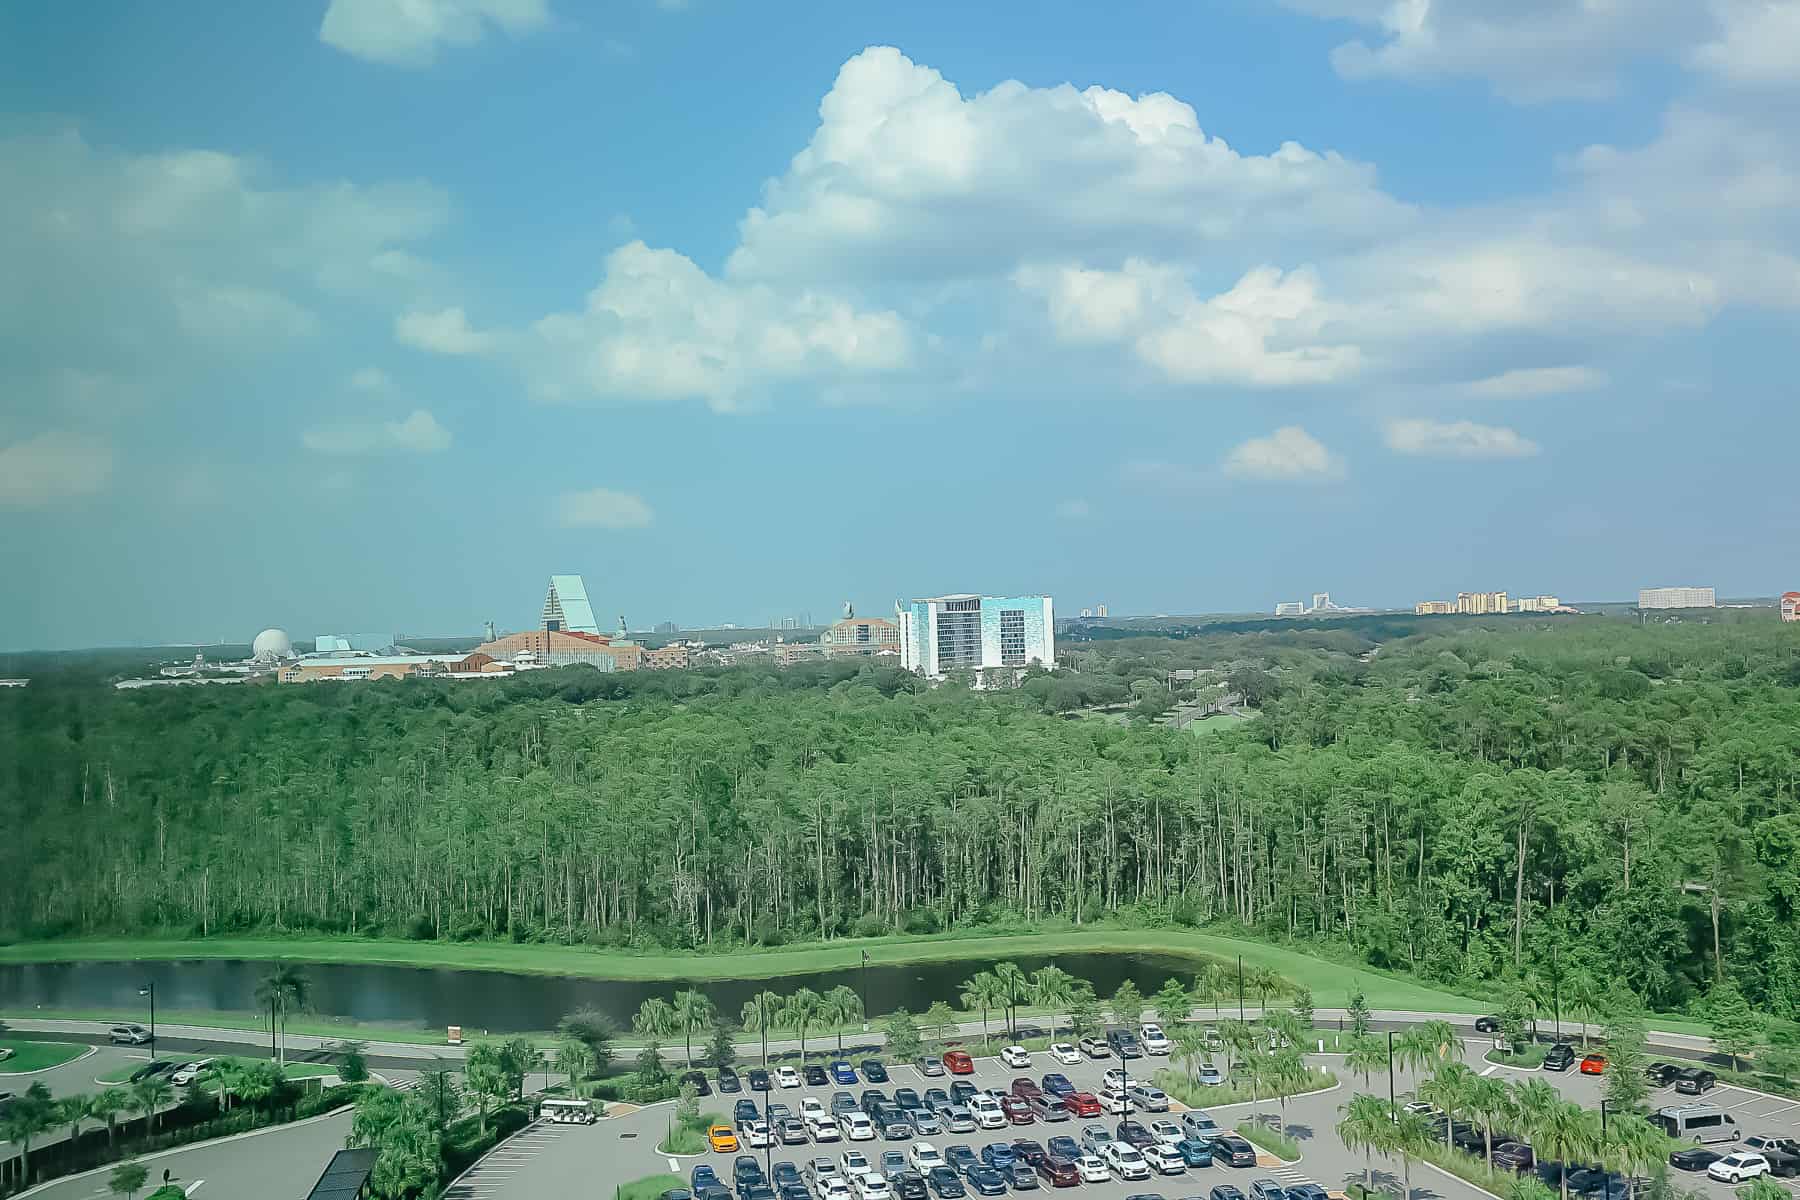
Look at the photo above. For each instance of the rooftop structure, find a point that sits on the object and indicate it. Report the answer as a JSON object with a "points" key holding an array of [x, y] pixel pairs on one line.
{"points": [[566, 607], [272, 645]]}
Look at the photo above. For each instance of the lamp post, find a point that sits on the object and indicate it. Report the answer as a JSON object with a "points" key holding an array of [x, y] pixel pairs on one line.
{"points": [[1604, 1105], [1240, 987], [149, 989], [865, 990], [1392, 1111]]}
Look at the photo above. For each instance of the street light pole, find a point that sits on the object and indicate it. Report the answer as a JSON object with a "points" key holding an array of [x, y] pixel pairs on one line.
{"points": [[1604, 1105], [1392, 1111], [865, 990], [149, 989], [1240, 987]]}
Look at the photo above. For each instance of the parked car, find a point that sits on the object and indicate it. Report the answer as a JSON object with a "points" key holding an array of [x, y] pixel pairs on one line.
{"points": [[1234, 1151], [1267, 1189], [1016, 1057], [821, 1169], [936, 1099], [1096, 1138], [1022, 1177], [985, 1181], [1124, 1043], [998, 1155], [1150, 1099], [759, 1079], [1195, 1152], [873, 1071], [855, 1163], [1771, 1143], [1166, 1131], [1307, 1191], [958, 1119], [723, 1140], [927, 1124], [1164, 1159], [1048, 1108], [787, 1077], [151, 1069], [1134, 1133], [1487, 1024], [1125, 1161], [815, 1075], [1154, 1040], [945, 1184], [1593, 1064], [1016, 1110], [1225, 1191], [1082, 1104], [929, 1066], [1661, 1074], [1093, 1169], [1095, 1047], [871, 1099], [702, 1177], [1694, 1158], [908, 1185], [129, 1035], [1058, 1171], [842, 1072], [1199, 1123], [1067, 1055], [988, 1113], [842, 1102], [958, 1062], [1738, 1166], [1695, 1081], [1065, 1146], [1056, 1083], [873, 1186], [1559, 1057], [856, 1126], [743, 1112], [961, 1090], [959, 1158], [187, 1072], [729, 1082], [1516, 1157], [1211, 1076]]}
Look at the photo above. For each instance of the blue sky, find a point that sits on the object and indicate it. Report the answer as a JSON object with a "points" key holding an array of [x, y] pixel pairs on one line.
{"points": [[362, 314]]}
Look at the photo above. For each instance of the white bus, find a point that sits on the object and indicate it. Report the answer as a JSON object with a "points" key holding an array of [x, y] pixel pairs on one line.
{"points": [[567, 1112], [1697, 1123]]}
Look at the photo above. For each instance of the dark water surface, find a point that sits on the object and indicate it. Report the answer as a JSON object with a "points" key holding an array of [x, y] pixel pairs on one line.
{"points": [[424, 997]]}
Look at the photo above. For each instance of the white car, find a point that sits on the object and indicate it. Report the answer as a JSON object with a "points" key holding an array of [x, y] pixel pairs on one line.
{"points": [[823, 1129], [1735, 1168], [835, 1188], [1125, 1162], [1093, 1169], [811, 1109], [1016, 1057], [186, 1073], [787, 1077], [1165, 1159], [873, 1186], [1113, 1101], [1211, 1076], [1153, 1039], [1065, 1054], [1114, 1077], [759, 1135], [987, 1111], [1168, 1132], [855, 1163], [856, 1126], [924, 1156]]}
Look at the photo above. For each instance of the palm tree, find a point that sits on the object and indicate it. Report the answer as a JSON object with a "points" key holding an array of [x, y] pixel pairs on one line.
{"points": [[106, 1105], [258, 1082], [1634, 1145], [284, 989], [1586, 999], [1014, 987], [800, 1013], [655, 1018], [1287, 1075], [1052, 988], [841, 1007], [1567, 1130], [575, 1060], [1448, 1088], [1532, 1102], [1265, 983], [1366, 1126], [72, 1111], [1411, 1133], [31, 1114], [1443, 1038], [1190, 1048], [762, 1012], [1210, 982], [1364, 1057], [694, 1010], [982, 991], [1489, 1101], [230, 1075], [437, 1088], [486, 1077], [147, 1095]]}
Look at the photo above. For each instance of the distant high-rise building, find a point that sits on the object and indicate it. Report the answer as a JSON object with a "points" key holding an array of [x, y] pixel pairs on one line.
{"points": [[1427, 608], [1291, 608], [1676, 597], [1480, 603], [1321, 602], [566, 607], [939, 634], [1100, 610], [667, 628], [1087, 612]]}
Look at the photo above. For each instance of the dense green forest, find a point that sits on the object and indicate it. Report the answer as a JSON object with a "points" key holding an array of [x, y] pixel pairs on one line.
{"points": [[1466, 801]]}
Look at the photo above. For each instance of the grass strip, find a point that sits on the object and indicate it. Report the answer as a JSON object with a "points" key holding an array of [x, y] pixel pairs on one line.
{"points": [[37, 1056]]}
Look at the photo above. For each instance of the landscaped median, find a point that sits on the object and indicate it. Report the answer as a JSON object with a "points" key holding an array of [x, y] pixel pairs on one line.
{"points": [[28, 1056], [293, 1070], [1199, 1095]]}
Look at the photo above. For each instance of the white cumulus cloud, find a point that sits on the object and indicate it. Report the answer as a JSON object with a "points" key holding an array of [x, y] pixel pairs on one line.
{"points": [[446, 331], [409, 33], [1455, 439], [1289, 455], [416, 433], [603, 508], [52, 467]]}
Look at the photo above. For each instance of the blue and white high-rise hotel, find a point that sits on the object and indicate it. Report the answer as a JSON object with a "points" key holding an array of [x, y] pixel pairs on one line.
{"points": [[941, 634]]}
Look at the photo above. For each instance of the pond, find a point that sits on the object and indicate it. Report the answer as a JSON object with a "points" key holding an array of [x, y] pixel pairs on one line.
{"points": [[496, 1001]]}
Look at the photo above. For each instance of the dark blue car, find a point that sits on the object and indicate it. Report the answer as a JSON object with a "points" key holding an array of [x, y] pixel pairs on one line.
{"points": [[1057, 1084], [999, 1156], [986, 1181], [842, 1072], [703, 1176], [873, 1071]]}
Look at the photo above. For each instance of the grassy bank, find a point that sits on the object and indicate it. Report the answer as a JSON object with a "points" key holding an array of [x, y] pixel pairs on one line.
{"points": [[37, 1056]]}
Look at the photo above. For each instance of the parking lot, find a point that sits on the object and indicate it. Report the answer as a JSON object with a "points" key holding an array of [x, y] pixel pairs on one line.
{"points": [[548, 1161]]}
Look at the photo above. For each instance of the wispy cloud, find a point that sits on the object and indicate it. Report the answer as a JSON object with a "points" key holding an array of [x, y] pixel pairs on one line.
{"points": [[603, 508], [1456, 439]]}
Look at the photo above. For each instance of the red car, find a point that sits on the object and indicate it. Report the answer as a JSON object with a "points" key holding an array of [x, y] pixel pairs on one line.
{"points": [[958, 1062], [1082, 1104], [1025, 1089], [1593, 1064], [1016, 1110], [1058, 1172]]}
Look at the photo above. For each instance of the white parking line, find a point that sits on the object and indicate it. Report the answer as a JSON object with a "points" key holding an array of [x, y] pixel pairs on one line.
{"points": [[1491, 1069]]}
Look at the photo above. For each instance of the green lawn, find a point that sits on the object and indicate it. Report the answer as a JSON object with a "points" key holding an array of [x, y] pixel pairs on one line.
{"points": [[37, 1056], [650, 1187], [1329, 981], [1207, 726]]}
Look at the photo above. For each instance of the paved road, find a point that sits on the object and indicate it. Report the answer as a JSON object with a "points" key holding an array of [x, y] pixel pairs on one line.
{"points": [[274, 1164]]}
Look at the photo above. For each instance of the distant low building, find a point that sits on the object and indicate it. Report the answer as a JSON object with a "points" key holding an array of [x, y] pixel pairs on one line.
{"points": [[1291, 608], [1537, 604], [1434, 608], [556, 648], [674, 657], [349, 667], [1676, 597], [860, 635], [1790, 609], [789, 653]]}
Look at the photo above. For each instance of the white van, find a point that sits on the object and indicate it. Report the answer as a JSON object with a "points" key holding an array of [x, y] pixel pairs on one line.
{"points": [[567, 1112], [1697, 1123]]}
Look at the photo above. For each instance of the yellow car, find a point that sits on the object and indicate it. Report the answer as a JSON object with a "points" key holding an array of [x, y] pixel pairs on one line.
{"points": [[722, 1140]]}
